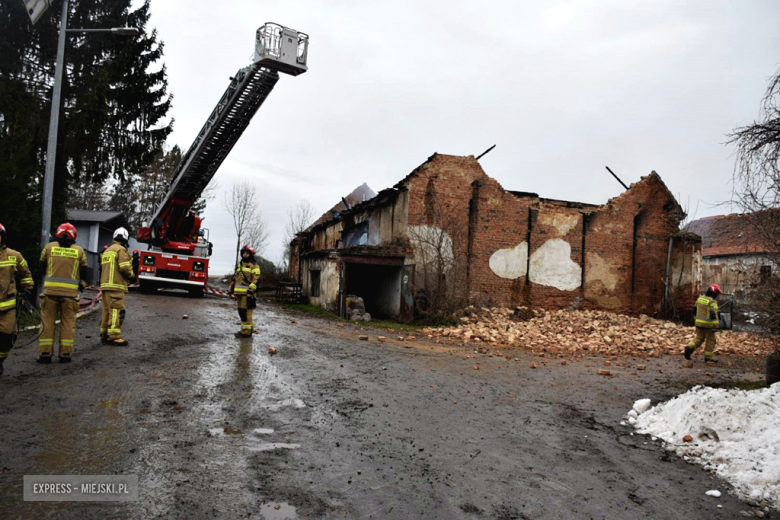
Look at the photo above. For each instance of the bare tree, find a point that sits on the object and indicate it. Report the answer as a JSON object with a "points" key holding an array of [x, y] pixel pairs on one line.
{"points": [[241, 203], [757, 191], [299, 218], [257, 234], [440, 262]]}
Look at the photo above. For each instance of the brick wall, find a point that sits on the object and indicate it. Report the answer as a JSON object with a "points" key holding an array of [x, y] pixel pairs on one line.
{"points": [[611, 256]]}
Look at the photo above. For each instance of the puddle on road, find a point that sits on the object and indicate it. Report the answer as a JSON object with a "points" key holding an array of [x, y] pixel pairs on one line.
{"points": [[278, 511], [227, 430], [269, 446], [287, 403]]}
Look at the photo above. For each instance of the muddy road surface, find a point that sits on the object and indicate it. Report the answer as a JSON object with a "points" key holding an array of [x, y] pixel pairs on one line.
{"points": [[334, 427]]}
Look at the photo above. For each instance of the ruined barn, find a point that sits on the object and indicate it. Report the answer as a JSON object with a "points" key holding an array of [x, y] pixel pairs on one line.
{"points": [[449, 235]]}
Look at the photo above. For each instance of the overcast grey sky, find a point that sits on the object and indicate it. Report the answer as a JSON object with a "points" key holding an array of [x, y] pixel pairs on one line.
{"points": [[563, 88]]}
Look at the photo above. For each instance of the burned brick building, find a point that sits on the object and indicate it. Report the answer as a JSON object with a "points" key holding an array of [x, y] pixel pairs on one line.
{"points": [[449, 223]]}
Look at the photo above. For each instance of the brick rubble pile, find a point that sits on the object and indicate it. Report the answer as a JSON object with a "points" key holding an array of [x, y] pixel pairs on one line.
{"points": [[589, 332]]}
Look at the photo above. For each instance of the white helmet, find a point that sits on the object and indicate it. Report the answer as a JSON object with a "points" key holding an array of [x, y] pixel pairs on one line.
{"points": [[121, 234]]}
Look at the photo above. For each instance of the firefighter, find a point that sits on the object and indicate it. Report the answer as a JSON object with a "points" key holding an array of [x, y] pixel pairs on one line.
{"points": [[13, 275], [243, 286], [707, 322], [64, 267], [117, 274]]}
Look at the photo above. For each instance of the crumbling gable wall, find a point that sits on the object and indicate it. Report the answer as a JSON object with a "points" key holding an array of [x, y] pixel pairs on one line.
{"points": [[520, 249]]}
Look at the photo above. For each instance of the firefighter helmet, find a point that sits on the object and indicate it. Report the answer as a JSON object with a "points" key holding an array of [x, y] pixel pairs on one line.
{"points": [[249, 249], [121, 234], [66, 230], [2, 234], [715, 288]]}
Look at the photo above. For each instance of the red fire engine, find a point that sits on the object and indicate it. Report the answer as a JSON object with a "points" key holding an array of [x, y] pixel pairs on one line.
{"points": [[179, 249]]}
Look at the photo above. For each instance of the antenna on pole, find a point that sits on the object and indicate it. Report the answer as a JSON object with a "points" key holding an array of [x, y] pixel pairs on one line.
{"points": [[485, 152], [615, 176]]}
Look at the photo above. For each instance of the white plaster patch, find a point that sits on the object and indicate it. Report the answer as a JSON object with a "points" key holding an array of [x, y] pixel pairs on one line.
{"points": [[510, 263], [561, 222], [551, 265]]}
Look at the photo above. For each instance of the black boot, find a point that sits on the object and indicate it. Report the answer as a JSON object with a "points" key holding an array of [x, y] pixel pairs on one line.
{"points": [[1, 366], [688, 352], [710, 360], [44, 360]]}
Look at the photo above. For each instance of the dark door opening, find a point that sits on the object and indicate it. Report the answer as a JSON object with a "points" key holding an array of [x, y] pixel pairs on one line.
{"points": [[378, 285]]}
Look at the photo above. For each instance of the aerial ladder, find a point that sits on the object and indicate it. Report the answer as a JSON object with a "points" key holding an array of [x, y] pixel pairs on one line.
{"points": [[179, 249]]}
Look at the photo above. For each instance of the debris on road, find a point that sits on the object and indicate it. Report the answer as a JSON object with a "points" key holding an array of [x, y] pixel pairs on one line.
{"points": [[185, 317], [363, 338], [293, 320], [271, 350], [713, 493], [381, 339], [340, 325], [590, 331], [737, 436], [603, 372]]}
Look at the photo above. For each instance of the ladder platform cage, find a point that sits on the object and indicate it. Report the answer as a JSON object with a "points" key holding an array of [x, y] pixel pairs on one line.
{"points": [[281, 48]]}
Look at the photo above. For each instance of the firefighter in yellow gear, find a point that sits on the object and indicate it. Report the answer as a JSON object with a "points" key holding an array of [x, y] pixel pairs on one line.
{"points": [[116, 275], [13, 275], [64, 266], [243, 287], [707, 321]]}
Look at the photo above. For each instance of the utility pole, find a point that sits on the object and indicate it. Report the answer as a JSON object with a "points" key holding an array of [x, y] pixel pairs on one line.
{"points": [[54, 119], [54, 122]]}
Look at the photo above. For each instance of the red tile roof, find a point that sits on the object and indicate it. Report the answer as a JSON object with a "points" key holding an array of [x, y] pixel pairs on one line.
{"points": [[735, 234]]}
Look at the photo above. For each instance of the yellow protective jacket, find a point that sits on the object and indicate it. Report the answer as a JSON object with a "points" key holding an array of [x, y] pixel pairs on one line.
{"points": [[13, 272], [707, 313], [245, 278], [117, 268], [63, 268]]}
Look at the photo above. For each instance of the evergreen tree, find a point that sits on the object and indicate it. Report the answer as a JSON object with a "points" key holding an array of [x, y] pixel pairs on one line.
{"points": [[113, 114]]}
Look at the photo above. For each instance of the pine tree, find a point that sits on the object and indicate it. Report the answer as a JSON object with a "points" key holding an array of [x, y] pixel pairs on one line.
{"points": [[113, 114]]}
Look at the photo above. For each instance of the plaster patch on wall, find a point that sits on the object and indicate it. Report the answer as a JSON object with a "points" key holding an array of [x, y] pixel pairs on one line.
{"points": [[510, 263], [552, 265], [599, 270], [561, 222]]}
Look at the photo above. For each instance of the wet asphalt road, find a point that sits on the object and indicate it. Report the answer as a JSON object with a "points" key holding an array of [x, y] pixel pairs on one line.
{"points": [[332, 427]]}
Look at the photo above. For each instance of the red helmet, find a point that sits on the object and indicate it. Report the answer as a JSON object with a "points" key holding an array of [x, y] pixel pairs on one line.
{"points": [[105, 247], [248, 248], [136, 252], [2, 231], [715, 288], [66, 230]]}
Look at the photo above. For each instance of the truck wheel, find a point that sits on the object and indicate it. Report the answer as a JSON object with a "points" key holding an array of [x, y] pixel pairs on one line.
{"points": [[196, 293]]}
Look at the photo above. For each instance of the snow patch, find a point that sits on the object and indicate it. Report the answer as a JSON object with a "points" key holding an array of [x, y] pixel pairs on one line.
{"points": [[641, 406], [713, 493], [735, 436]]}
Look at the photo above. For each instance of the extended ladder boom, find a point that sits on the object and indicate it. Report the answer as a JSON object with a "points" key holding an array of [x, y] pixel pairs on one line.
{"points": [[277, 49], [248, 89]]}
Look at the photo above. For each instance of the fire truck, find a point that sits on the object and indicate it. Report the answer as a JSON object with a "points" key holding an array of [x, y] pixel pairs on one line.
{"points": [[179, 247]]}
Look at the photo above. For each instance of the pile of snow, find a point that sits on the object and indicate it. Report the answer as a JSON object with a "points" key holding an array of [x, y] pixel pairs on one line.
{"points": [[735, 434]]}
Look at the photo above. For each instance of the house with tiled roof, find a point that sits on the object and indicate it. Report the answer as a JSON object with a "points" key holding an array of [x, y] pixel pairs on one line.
{"points": [[736, 253]]}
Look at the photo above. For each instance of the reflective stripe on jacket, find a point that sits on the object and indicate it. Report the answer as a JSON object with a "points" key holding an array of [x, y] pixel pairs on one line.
{"points": [[116, 268], [246, 282], [63, 266], [14, 274], [707, 313]]}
